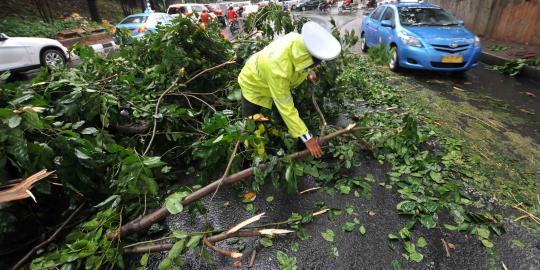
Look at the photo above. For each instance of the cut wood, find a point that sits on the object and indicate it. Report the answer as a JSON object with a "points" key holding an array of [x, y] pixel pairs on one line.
{"points": [[144, 222]]}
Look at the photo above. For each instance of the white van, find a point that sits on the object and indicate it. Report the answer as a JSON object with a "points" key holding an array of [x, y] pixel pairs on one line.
{"points": [[185, 9]]}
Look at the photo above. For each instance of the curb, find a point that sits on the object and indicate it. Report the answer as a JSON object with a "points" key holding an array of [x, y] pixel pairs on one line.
{"points": [[492, 59]]}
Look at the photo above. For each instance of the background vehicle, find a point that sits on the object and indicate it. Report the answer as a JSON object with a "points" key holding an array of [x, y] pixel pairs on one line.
{"points": [[185, 9], [25, 53], [421, 36], [308, 4], [217, 11], [141, 24]]}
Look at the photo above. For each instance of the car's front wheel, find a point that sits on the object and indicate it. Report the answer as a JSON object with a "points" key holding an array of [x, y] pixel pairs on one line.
{"points": [[53, 58], [363, 45], [393, 64]]}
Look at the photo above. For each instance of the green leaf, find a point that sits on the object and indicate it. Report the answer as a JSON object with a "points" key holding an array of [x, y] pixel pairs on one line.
{"points": [[486, 243], [404, 233], [89, 131], [153, 162], [421, 242], [416, 257], [396, 265], [194, 241], [328, 235], [409, 247], [286, 262], [518, 243], [348, 226], [362, 229], [436, 176], [392, 236], [270, 199], [173, 202], [428, 221], [406, 206], [483, 232], [266, 242], [295, 246], [144, 259], [334, 213], [349, 209], [335, 251], [14, 121], [344, 189]]}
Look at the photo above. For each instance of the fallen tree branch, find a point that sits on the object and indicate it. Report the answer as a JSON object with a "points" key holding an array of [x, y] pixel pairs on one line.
{"points": [[22, 189], [173, 86], [146, 221], [48, 240], [252, 231]]}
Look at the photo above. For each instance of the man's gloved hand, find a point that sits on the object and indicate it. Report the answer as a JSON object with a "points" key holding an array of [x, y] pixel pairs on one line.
{"points": [[314, 148], [312, 77]]}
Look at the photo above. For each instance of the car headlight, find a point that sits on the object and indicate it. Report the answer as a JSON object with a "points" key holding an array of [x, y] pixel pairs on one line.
{"points": [[410, 40], [477, 41]]}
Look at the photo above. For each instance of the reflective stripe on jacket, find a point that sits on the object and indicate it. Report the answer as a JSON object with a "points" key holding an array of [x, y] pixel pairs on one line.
{"points": [[269, 75]]}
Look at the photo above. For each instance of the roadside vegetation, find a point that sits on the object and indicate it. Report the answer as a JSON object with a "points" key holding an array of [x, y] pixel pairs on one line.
{"points": [[122, 134]]}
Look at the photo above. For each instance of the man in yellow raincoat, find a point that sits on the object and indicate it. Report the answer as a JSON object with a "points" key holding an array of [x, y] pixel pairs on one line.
{"points": [[269, 75]]}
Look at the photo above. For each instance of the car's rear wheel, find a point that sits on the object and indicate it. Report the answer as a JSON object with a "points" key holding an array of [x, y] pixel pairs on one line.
{"points": [[393, 64], [53, 58], [363, 45]]}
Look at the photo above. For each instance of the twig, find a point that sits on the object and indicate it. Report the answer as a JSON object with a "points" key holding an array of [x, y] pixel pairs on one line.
{"points": [[445, 247], [48, 240], [531, 216], [309, 189], [504, 266], [173, 87], [321, 115], [252, 259], [231, 254], [245, 223]]}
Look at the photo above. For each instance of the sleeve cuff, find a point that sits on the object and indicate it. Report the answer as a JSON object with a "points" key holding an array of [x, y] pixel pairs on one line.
{"points": [[306, 137]]}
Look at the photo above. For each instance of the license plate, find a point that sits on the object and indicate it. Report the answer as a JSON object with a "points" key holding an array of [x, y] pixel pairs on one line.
{"points": [[452, 59]]}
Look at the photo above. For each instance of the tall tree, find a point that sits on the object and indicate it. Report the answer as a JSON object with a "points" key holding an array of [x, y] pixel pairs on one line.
{"points": [[94, 11]]}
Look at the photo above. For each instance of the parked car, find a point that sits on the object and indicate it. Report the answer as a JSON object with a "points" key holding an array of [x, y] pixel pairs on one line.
{"points": [[25, 53], [185, 9], [308, 5], [421, 36], [141, 24]]}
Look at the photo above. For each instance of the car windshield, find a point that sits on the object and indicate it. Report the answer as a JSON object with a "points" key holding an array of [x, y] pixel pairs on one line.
{"points": [[134, 19], [197, 8], [176, 10], [412, 16]]}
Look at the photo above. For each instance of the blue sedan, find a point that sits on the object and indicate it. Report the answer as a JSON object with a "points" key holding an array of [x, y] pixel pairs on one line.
{"points": [[421, 36], [142, 23]]}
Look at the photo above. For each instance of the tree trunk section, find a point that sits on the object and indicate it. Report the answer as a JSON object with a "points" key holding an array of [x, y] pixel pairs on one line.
{"points": [[94, 11]]}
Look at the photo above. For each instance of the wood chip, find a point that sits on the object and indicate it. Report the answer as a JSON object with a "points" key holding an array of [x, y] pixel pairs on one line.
{"points": [[322, 211], [274, 231], [245, 223], [252, 259], [371, 213]]}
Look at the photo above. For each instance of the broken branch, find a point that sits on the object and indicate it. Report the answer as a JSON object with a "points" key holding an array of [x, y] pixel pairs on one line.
{"points": [[22, 189], [146, 221]]}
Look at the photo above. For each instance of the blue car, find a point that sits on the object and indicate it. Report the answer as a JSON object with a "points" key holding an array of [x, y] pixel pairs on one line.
{"points": [[141, 24], [421, 36]]}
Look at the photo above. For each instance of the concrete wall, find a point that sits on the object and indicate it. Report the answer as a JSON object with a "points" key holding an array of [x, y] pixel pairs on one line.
{"points": [[507, 20]]}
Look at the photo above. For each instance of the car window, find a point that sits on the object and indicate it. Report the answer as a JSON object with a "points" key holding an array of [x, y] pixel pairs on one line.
{"points": [[177, 10], [377, 13], [388, 15], [135, 19], [197, 8], [426, 16]]}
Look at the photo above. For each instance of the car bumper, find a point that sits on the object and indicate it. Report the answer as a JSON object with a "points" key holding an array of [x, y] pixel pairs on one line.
{"points": [[428, 58]]}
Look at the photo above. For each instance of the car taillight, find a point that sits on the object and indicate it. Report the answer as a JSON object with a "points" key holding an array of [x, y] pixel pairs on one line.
{"points": [[114, 30], [142, 29]]}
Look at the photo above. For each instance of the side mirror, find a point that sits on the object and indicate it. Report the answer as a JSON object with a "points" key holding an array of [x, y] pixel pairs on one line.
{"points": [[3, 37], [387, 23], [461, 23]]}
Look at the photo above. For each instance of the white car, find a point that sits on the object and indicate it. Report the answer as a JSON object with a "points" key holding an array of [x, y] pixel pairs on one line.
{"points": [[185, 9], [25, 53]]}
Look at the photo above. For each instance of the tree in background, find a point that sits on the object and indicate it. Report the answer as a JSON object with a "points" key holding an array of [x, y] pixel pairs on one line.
{"points": [[44, 10], [94, 11]]}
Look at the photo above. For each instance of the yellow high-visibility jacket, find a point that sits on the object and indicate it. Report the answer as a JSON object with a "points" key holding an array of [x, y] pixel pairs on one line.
{"points": [[270, 74]]}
